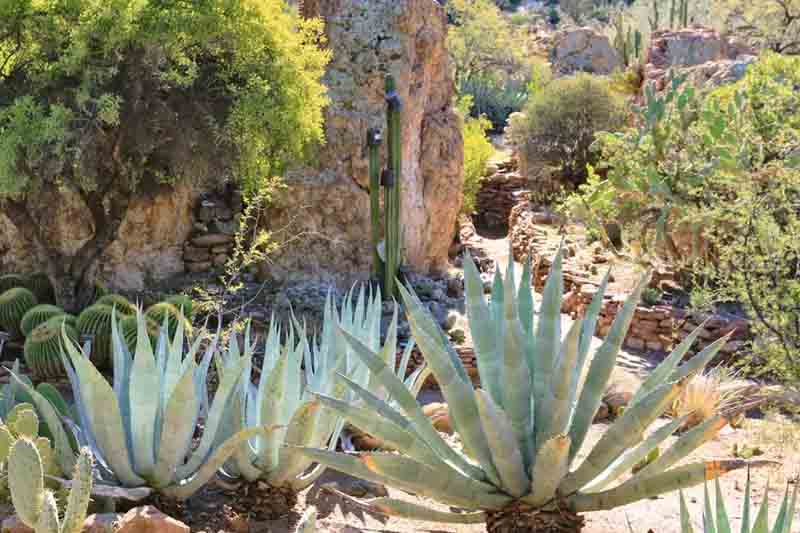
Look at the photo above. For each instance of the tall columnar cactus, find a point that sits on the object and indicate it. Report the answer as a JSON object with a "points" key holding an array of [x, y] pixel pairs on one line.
{"points": [[44, 346], [14, 303], [95, 321], [34, 504], [38, 314], [520, 470], [684, 13], [392, 188], [374, 149]]}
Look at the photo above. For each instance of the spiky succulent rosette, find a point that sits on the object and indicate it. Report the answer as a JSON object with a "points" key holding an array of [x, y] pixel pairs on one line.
{"points": [[522, 432], [298, 379]]}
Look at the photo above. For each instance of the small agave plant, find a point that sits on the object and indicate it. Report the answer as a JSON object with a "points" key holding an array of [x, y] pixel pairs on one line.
{"points": [[715, 519], [295, 375], [140, 427], [520, 469]]}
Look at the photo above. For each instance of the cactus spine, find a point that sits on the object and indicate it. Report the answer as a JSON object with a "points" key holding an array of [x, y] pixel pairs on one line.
{"points": [[37, 315], [36, 506], [392, 187], [14, 303]]}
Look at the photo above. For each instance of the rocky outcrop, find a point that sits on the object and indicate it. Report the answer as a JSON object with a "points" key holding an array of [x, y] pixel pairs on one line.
{"points": [[583, 50], [708, 58], [324, 210], [149, 246]]}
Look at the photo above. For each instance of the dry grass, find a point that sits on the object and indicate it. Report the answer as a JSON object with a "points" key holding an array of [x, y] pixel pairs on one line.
{"points": [[717, 390]]}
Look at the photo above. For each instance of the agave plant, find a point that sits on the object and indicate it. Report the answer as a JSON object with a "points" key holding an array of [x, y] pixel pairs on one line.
{"points": [[294, 377], [520, 469], [141, 427], [716, 519]]}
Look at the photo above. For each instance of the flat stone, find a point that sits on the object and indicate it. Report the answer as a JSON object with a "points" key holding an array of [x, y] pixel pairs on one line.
{"points": [[212, 239], [192, 253], [220, 260], [148, 519]]}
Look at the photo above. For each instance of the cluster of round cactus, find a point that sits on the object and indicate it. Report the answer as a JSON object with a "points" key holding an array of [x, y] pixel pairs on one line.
{"points": [[44, 345], [26, 312], [14, 303], [166, 311]]}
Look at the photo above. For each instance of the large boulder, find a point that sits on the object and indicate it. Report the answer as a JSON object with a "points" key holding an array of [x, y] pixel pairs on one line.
{"points": [[149, 246], [706, 56], [324, 210], [583, 50]]}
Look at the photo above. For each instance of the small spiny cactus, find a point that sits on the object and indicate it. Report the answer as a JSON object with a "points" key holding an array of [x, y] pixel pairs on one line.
{"points": [[95, 320], [129, 330], [123, 306], [40, 285], [14, 303], [164, 310], [11, 281], [37, 315], [43, 347]]}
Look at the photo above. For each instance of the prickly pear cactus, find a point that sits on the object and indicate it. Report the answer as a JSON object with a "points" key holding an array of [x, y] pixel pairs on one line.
{"points": [[36, 505], [38, 314], [44, 345], [14, 303]]}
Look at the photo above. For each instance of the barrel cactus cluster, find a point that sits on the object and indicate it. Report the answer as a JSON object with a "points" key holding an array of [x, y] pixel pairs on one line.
{"points": [[45, 344], [14, 303]]}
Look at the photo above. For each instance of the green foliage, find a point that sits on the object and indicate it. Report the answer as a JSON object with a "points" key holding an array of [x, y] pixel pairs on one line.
{"points": [[45, 345], [66, 66], [651, 296], [14, 303], [35, 505], [561, 122], [183, 302], [489, 57], [523, 428], [38, 315], [715, 518], [713, 181], [478, 150]]}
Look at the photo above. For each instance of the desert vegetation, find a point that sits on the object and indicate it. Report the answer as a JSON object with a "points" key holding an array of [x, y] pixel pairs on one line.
{"points": [[401, 265]]}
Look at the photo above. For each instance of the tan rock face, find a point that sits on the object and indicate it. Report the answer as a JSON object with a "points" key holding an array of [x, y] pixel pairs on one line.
{"points": [[583, 50], [708, 58], [149, 246], [325, 209]]}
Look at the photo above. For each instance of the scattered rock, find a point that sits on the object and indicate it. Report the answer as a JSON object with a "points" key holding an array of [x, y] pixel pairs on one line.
{"points": [[440, 416], [101, 523], [148, 519], [12, 524], [358, 488], [583, 50]]}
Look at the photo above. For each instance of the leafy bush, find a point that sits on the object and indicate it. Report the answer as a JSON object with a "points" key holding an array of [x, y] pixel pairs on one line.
{"points": [[489, 57], [561, 121], [114, 99], [477, 152], [713, 181]]}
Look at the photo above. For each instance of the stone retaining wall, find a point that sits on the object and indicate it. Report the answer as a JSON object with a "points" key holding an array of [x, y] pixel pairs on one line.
{"points": [[500, 191], [216, 220]]}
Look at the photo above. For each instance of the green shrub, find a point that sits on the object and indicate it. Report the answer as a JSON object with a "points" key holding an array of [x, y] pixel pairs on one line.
{"points": [[713, 181], [561, 121], [477, 152]]}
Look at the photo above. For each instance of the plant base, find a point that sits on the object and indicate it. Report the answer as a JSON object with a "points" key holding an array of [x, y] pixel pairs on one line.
{"points": [[521, 518], [260, 501]]}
